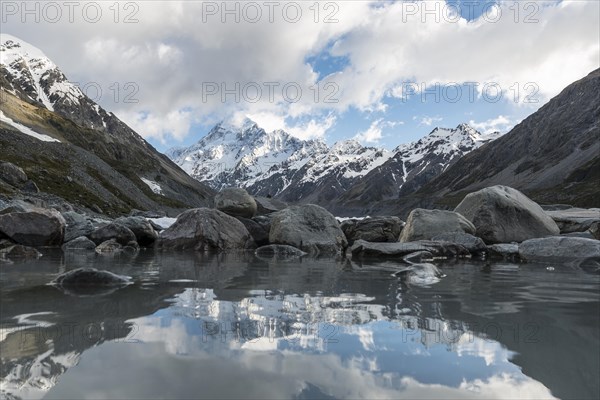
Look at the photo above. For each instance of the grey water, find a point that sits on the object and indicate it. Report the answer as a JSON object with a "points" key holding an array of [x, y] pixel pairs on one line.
{"points": [[236, 326]]}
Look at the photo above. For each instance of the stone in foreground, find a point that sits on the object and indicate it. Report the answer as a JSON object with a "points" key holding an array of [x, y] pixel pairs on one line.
{"points": [[424, 224], [205, 229], [37, 227], [361, 248], [86, 278], [502, 215], [19, 252], [310, 228], [374, 229], [560, 249], [236, 202]]}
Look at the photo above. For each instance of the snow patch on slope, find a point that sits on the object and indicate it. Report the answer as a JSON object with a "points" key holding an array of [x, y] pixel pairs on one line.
{"points": [[26, 130]]}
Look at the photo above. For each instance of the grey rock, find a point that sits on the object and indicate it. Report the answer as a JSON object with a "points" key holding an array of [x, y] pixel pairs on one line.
{"points": [[12, 174], [310, 228], [560, 249], [204, 229], [361, 248], [587, 234], [14, 208], [147, 214], [502, 215], [30, 187], [472, 243], [91, 277], [279, 251], [374, 229], [19, 252], [37, 227], [575, 219], [424, 224], [77, 225], [259, 233], [109, 247], [236, 202], [266, 205], [156, 226], [504, 251], [80, 243], [141, 228], [120, 233]]}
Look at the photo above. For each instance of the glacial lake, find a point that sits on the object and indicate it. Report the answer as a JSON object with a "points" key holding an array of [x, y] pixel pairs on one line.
{"points": [[235, 326]]}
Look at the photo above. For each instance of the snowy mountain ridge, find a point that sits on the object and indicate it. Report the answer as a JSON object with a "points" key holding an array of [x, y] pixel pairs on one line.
{"points": [[278, 164]]}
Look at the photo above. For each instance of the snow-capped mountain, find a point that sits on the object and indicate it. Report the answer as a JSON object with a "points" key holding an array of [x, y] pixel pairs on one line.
{"points": [[416, 163], [70, 146], [276, 163], [29, 74]]}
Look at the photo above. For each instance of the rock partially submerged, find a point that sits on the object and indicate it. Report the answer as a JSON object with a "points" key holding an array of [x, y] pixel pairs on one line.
{"points": [[560, 249], [279, 252], [475, 245], [424, 224], [80, 243], [109, 247], [502, 215], [310, 228], [361, 248], [205, 229], [144, 233], [90, 281], [116, 231], [504, 251], [373, 229], [38, 227]]}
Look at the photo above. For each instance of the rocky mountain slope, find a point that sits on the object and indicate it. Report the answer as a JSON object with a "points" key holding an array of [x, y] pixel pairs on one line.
{"points": [[553, 156], [279, 165], [73, 148]]}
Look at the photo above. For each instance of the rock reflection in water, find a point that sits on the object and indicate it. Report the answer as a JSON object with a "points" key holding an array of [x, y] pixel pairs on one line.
{"points": [[200, 326]]}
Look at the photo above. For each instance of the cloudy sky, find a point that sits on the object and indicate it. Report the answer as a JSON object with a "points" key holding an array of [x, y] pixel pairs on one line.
{"points": [[383, 72]]}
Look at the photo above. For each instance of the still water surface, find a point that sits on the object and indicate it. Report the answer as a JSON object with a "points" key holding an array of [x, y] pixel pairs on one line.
{"points": [[235, 326]]}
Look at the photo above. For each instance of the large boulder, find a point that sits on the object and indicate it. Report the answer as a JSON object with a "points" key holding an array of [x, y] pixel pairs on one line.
{"points": [[424, 224], [397, 250], [560, 249], [37, 227], [204, 229], [236, 202], [373, 229], [142, 229], [77, 225], [502, 215], [120, 233], [12, 174], [310, 228], [472, 243], [267, 205]]}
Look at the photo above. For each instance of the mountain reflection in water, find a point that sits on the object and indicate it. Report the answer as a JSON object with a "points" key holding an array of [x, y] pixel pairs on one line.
{"points": [[197, 326]]}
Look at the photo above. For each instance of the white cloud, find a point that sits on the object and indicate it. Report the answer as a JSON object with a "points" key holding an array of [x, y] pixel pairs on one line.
{"points": [[428, 121], [499, 124], [171, 56]]}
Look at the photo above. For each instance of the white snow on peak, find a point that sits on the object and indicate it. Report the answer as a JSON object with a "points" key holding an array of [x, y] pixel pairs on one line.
{"points": [[29, 64], [26, 130]]}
